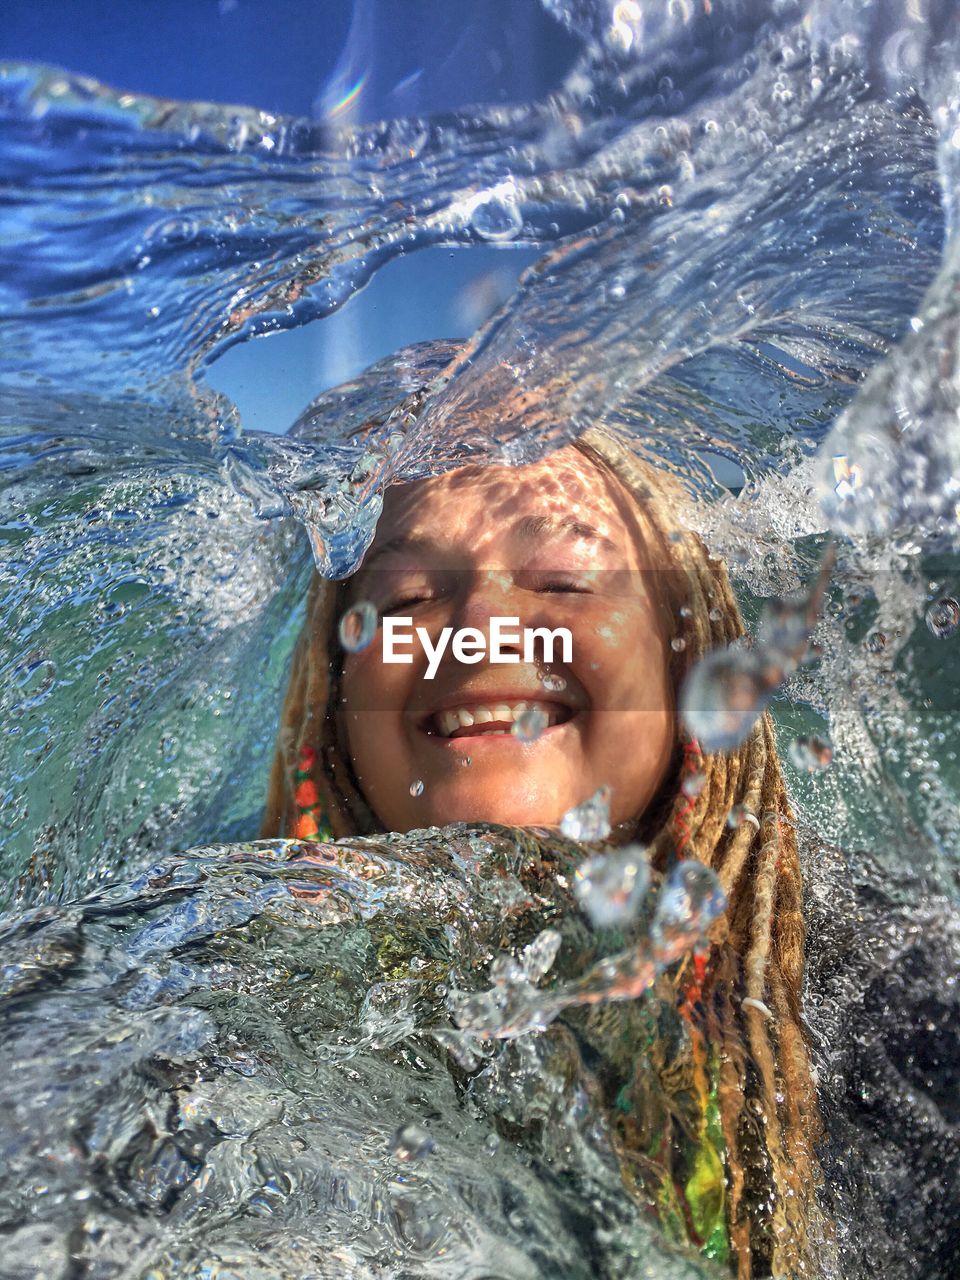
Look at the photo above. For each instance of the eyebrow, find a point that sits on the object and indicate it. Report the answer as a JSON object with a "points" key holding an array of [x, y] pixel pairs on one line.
{"points": [[528, 528], [402, 542], [534, 526]]}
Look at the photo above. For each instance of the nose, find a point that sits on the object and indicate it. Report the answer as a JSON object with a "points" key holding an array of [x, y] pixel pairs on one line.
{"points": [[489, 593]]}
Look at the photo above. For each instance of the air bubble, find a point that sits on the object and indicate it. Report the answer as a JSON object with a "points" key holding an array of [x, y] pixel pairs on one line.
{"points": [[416, 787], [678, 644], [358, 626], [943, 617], [611, 887], [410, 1142], [496, 218]]}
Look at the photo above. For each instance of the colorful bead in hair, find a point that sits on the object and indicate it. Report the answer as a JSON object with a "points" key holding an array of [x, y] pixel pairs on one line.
{"points": [[311, 821], [692, 765]]}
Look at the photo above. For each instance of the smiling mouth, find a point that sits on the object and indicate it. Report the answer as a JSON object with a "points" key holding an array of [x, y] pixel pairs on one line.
{"points": [[489, 719]]}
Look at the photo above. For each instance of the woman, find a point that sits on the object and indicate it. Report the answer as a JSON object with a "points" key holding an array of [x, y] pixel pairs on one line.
{"points": [[713, 1109]]}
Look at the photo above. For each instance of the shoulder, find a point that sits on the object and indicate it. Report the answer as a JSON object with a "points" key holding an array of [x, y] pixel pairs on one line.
{"points": [[882, 1005]]}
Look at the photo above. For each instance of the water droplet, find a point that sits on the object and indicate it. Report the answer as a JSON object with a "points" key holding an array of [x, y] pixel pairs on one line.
{"points": [[690, 900], [715, 615], [410, 1142], [686, 611], [416, 787], [530, 724], [678, 644], [466, 762], [784, 629], [723, 697], [492, 1144], [740, 816], [589, 820], [943, 617], [876, 642], [810, 754], [358, 626], [553, 682], [537, 957], [610, 888], [693, 784]]}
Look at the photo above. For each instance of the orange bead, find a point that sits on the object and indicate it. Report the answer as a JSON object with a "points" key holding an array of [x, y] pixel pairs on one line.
{"points": [[306, 827], [306, 794]]}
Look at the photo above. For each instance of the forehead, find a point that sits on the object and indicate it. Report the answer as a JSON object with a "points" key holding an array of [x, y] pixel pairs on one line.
{"points": [[477, 506]]}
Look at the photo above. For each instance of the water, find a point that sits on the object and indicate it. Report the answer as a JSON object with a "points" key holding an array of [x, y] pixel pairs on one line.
{"points": [[610, 887], [249, 1073], [747, 221]]}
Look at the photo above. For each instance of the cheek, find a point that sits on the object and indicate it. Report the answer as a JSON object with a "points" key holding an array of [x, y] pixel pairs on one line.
{"points": [[369, 684], [373, 694], [624, 661]]}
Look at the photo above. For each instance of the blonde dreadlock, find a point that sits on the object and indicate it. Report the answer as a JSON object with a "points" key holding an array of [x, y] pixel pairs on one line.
{"points": [[749, 998]]}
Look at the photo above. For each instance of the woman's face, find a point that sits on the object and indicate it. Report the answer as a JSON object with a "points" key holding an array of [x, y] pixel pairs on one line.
{"points": [[552, 545]]}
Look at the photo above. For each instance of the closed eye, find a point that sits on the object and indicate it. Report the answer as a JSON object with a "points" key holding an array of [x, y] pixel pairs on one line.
{"points": [[407, 602], [578, 588]]}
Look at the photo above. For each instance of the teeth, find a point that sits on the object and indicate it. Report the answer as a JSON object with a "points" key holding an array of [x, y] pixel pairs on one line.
{"points": [[463, 718], [450, 720]]}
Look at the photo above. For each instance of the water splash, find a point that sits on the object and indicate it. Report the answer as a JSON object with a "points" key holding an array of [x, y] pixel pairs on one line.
{"points": [[689, 901], [748, 219], [289, 982]]}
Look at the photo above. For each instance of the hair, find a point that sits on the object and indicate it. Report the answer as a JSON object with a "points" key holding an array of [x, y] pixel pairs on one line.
{"points": [[748, 996]]}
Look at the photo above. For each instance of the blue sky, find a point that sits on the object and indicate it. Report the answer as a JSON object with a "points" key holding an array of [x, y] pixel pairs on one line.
{"points": [[295, 57]]}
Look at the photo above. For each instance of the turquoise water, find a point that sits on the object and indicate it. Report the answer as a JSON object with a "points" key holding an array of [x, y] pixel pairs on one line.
{"points": [[745, 222]]}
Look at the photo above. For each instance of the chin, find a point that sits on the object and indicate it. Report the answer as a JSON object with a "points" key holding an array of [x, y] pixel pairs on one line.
{"points": [[485, 804]]}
